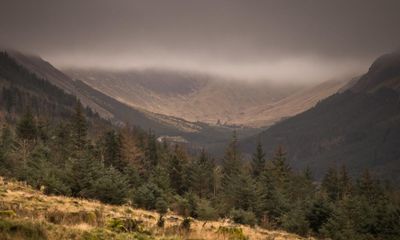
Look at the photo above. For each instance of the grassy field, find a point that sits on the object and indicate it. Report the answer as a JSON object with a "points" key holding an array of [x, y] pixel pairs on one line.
{"points": [[28, 214]]}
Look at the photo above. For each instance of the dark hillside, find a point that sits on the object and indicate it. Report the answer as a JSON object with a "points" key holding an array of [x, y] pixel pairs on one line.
{"points": [[359, 127]]}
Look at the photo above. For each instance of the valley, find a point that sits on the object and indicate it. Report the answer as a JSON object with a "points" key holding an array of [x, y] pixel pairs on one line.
{"points": [[210, 99], [199, 120]]}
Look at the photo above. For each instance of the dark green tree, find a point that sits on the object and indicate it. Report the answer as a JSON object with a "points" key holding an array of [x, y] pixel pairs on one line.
{"points": [[110, 187], [113, 150], [231, 169], [345, 186], [79, 128], [26, 127], [151, 154], [201, 175], [330, 184], [176, 172], [258, 161], [279, 167]]}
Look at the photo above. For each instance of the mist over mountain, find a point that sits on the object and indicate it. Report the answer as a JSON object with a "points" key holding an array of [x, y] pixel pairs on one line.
{"points": [[358, 127], [206, 98], [189, 119]]}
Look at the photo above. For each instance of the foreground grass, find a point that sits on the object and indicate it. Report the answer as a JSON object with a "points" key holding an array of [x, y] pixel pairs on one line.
{"points": [[30, 215]]}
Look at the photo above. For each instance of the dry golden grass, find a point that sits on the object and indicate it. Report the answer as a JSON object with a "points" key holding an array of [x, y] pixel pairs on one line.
{"points": [[72, 218]]}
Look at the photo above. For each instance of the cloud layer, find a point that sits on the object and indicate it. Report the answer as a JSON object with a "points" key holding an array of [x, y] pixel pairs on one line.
{"points": [[272, 40]]}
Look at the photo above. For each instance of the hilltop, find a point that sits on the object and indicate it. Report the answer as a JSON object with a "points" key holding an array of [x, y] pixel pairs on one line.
{"points": [[29, 214]]}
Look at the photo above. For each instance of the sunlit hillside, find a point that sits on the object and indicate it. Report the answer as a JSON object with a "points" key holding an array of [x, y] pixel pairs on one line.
{"points": [[28, 214]]}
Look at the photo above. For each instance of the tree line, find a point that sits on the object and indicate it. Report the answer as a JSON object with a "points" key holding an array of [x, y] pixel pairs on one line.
{"points": [[127, 165]]}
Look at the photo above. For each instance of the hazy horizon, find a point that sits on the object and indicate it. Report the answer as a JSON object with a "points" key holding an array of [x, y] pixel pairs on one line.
{"points": [[276, 41]]}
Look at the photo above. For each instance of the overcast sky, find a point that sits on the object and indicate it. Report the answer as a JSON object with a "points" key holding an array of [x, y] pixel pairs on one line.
{"points": [[253, 39]]}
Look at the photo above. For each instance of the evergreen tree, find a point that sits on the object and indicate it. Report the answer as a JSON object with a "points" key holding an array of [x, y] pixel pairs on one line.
{"points": [[273, 199], [344, 183], [109, 187], [202, 175], [6, 147], [231, 169], [308, 174], [275, 188], [7, 138], [340, 227], [26, 127], [246, 194], [62, 145], [258, 161], [176, 172], [279, 168], [79, 127], [82, 172], [369, 188], [151, 154], [147, 196], [318, 214], [330, 184], [295, 220], [113, 150]]}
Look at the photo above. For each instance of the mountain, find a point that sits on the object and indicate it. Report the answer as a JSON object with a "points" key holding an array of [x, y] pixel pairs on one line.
{"points": [[205, 98], [196, 134], [268, 114], [22, 90], [358, 127], [191, 96], [45, 70]]}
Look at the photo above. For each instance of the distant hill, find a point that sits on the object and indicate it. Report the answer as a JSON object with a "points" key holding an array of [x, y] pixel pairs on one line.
{"points": [[205, 98], [359, 127]]}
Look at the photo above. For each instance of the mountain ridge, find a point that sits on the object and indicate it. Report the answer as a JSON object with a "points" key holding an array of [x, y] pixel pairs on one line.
{"points": [[342, 129]]}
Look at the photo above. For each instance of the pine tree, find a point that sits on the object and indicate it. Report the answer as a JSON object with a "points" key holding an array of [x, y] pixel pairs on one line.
{"points": [[344, 183], [113, 150], [62, 145], [279, 168], [201, 175], [110, 187], [231, 169], [330, 184], [258, 161], [246, 195], [6, 146], [369, 188], [151, 154], [340, 227], [7, 138], [273, 199], [231, 162], [176, 172], [308, 174], [79, 127], [26, 127], [318, 213], [275, 188]]}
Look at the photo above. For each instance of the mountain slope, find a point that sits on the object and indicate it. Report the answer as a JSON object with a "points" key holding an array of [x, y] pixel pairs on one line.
{"points": [[196, 133], [205, 98], [22, 90], [104, 105], [268, 114], [359, 127], [46, 71]]}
